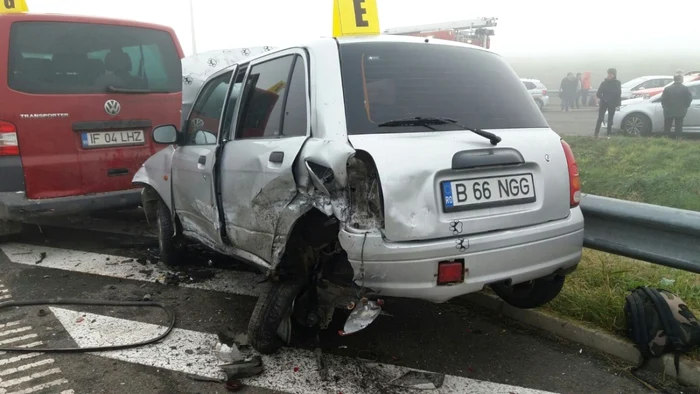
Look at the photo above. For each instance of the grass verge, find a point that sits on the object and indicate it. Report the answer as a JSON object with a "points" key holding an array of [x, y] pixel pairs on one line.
{"points": [[651, 170]]}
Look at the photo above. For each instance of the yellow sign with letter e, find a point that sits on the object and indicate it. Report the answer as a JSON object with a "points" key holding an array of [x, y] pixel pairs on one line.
{"points": [[13, 7], [355, 18]]}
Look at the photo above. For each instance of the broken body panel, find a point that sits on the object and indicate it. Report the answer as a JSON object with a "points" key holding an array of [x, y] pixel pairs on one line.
{"points": [[386, 190]]}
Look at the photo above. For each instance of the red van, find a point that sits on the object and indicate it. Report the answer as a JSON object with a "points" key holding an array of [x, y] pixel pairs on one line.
{"points": [[79, 97]]}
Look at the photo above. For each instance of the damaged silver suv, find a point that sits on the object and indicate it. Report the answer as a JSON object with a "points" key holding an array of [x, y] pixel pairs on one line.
{"points": [[351, 169]]}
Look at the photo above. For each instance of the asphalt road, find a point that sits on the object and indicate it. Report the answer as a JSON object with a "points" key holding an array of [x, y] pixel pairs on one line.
{"points": [[575, 122], [112, 256]]}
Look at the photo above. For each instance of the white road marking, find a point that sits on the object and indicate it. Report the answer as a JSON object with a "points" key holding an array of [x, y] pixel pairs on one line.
{"points": [[33, 344], [36, 388], [15, 331], [3, 290], [25, 367], [4, 297], [24, 379], [18, 339], [235, 282], [19, 358], [4, 384], [356, 377], [67, 392]]}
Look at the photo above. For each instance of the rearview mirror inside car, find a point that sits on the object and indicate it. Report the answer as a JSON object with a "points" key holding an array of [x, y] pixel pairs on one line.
{"points": [[166, 134]]}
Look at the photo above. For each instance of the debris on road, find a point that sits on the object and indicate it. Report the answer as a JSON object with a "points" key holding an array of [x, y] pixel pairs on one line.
{"points": [[362, 315], [228, 354], [42, 256], [243, 369], [419, 380]]}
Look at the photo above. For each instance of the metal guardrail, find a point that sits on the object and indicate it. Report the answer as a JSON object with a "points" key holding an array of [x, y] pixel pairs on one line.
{"points": [[655, 234]]}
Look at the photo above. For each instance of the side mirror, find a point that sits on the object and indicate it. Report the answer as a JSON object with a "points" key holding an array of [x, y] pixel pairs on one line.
{"points": [[166, 134]]}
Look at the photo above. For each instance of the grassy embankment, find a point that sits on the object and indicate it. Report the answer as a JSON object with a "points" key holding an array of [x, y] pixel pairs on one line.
{"points": [[651, 170]]}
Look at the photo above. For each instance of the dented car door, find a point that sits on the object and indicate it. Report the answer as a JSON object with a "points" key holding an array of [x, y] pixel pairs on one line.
{"points": [[194, 198], [257, 180]]}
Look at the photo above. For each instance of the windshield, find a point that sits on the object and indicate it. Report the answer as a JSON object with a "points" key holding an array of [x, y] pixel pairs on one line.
{"points": [[383, 81], [83, 58]]}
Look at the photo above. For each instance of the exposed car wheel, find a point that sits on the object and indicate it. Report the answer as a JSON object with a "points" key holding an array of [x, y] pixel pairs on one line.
{"points": [[271, 323], [170, 246], [9, 228], [636, 124], [531, 294], [540, 104]]}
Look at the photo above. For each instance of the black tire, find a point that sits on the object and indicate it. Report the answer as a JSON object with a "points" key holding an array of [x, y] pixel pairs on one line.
{"points": [[540, 104], [531, 294], [271, 308], [636, 124], [169, 244]]}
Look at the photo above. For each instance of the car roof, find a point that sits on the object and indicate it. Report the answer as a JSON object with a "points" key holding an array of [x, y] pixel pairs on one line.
{"points": [[530, 80], [314, 43], [55, 17]]}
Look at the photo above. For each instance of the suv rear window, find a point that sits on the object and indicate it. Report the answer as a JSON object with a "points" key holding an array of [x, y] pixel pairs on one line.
{"points": [[80, 58], [384, 81]]}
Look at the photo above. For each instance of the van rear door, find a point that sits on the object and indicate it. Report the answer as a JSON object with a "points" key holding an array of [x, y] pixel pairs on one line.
{"points": [[84, 94]]}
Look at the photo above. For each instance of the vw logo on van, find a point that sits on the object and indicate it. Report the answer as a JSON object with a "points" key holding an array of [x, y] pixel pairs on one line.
{"points": [[112, 107]]}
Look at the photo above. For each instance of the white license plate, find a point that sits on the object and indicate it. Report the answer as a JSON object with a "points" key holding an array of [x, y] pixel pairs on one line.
{"points": [[113, 138], [477, 193]]}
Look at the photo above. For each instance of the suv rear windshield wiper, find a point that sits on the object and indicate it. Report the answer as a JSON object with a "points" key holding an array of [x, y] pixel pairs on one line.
{"points": [[434, 120], [114, 89]]}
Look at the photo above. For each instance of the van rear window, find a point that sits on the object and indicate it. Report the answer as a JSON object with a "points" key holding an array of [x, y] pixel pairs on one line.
{"points": [[85, 58]]}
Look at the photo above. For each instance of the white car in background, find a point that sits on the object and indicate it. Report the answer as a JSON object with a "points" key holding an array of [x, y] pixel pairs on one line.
{"points": [[641, 116], [537, 90], [643, 83]]}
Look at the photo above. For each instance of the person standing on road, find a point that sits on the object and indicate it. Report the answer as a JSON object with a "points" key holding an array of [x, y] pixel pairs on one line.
{"points": [[585, 88], [567, 91], [610, 96], [675, 100], [579, 86]]}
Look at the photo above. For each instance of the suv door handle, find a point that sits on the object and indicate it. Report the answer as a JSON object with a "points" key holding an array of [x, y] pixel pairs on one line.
{"points": [[276, 157], [202, 160]]}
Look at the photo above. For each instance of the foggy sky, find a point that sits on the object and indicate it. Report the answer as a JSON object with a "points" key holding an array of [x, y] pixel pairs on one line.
{"points": [[525, 27]]}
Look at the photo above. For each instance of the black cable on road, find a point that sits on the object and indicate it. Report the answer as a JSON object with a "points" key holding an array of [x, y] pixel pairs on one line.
{"points": [[61, 301]]}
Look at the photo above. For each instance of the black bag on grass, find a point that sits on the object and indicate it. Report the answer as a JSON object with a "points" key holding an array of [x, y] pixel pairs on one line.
{"points": [[659, 322]]}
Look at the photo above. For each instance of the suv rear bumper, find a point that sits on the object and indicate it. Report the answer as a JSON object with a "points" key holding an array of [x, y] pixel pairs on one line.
{"points": [[15, 206], [409, 269]]}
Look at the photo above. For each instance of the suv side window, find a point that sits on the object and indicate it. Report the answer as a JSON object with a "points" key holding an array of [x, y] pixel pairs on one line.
{"points": [[265, 89], [295, 121], [233, 97], [529, 85], [202, 126]]}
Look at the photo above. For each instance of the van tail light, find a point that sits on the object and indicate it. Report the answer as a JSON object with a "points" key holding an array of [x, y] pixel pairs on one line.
{"points": [[8, 139], [574, 178], [544, 92]]}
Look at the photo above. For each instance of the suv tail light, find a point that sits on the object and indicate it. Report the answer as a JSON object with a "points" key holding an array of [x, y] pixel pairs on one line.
{"points": [[544, 92], [8, 139], [574, 179]]}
